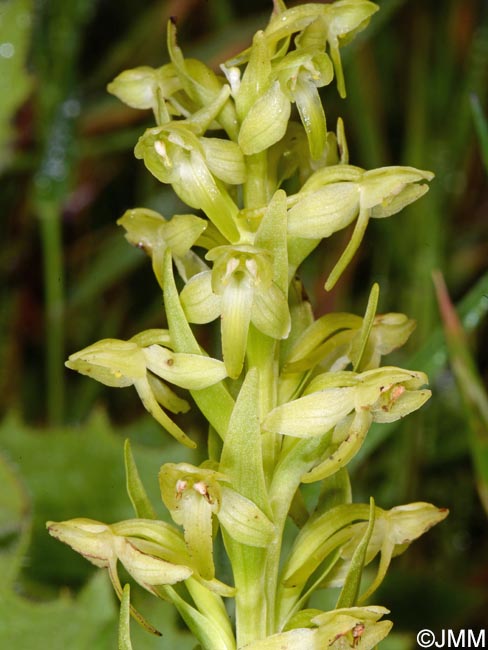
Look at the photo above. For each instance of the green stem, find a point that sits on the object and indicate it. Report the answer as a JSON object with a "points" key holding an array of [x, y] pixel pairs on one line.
{"points": [[255, 188], [262, 355], [54, 301], [297, 458], [248, 568]]}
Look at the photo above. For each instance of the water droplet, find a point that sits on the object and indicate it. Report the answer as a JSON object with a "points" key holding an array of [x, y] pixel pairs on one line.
{"points": [[471, 320], [7, 50], [71, 108]]}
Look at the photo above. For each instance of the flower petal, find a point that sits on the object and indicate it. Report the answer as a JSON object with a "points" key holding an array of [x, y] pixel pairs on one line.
{"points": [[200, 303], [270, 312], [225, 160], [92, 539], [148, 570], [192, 371], [323, 212], [312, 415], [237, 299]]}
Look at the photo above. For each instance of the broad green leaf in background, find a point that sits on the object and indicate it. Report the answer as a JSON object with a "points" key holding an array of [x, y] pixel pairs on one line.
{"points": [[29, 623], [86, 622], [75, 471], [66, 471]]}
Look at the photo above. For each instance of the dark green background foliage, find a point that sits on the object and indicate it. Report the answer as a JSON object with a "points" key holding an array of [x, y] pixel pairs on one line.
{"points": [[417, 83]]}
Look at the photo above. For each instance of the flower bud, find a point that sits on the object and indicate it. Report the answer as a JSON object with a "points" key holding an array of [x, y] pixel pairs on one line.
{"points": [[110, 361], [266, 121], [90, 538]]}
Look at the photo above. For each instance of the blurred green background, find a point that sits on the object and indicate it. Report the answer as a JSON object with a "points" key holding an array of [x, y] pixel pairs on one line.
{"points": [[417, 82]]}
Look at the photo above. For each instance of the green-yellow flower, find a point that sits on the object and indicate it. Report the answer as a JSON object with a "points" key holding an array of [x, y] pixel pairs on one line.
{"points": [[145, 364], [240, 288], [194, 495]]}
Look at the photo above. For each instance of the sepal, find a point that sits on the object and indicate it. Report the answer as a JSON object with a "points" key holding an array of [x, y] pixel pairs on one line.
{"points": [[191, 371], [149, 230], [345, 20]]}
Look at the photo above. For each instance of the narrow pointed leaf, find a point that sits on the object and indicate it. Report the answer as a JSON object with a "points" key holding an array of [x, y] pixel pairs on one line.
{"points": [[135, 488], [208, 633], [241, 458], [470, 385], [349, 593], [184, 341], [358, 352]]}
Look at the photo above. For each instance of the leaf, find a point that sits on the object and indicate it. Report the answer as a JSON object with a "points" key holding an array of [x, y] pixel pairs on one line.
{"points": [[207, 631], [75, 471], [432, 357], [215, 401], [61, 623], [241, 458], [15, 517], [481, 126], [350, 590], [66, 478], [368, 320], [135, 488]]}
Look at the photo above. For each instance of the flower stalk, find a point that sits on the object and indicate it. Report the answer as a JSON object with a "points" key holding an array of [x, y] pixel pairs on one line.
{"points": [[289, 398]]}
